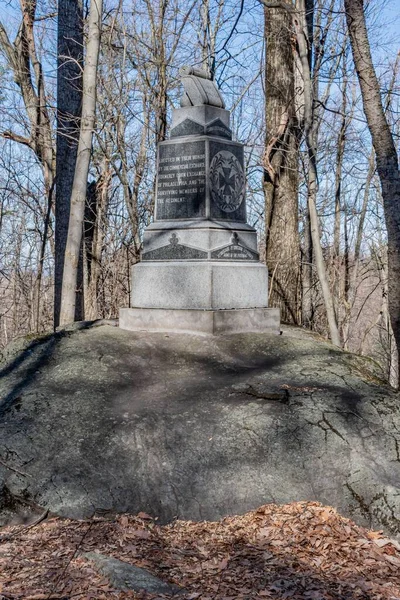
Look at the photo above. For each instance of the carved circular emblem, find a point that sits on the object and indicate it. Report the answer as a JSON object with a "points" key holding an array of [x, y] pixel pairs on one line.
{"points": [[227, 181]]}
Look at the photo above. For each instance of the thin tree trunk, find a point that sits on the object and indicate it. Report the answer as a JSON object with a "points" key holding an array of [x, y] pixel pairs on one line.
{"points": [[385, 150], [317, 248], [310, 135], [383, 317], [204, 33], [95, 209], [162, 81], [39, 275], [140, 164], [346, 290], [69, 99], [306, 278], [338, 200], [78, 196], [307, 255], [360, 229], [353, 276]]}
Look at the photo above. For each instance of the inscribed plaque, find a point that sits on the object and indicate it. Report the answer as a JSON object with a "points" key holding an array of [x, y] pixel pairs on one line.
{"points": [[181, 181]]}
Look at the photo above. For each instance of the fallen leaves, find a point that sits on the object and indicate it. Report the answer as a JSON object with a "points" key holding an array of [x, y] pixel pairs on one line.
{"points": [[300, 550], [382, 542], [142, 534]]}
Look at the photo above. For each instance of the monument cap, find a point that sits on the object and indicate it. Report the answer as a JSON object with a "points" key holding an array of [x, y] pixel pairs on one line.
{"points": [[199, 89]]}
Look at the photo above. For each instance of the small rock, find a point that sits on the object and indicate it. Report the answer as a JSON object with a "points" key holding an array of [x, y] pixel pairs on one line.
{"points": [[124, 576], [241, 387]]}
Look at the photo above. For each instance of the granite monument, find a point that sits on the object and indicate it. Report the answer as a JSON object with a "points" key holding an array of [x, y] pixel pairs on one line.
{"points": [[200, 270]]}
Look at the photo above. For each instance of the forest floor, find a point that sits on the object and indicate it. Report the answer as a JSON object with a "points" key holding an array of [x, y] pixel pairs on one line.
{"points": [[298, 550]]}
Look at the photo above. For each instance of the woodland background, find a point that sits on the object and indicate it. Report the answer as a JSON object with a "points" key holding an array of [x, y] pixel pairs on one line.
{"points": [[253, 53]]}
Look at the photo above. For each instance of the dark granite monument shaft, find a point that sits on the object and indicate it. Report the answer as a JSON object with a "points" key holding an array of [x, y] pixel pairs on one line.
{"points": [[200, 269]]}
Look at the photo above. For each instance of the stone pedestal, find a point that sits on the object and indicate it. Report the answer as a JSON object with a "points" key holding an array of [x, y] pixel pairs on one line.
{"points": [[200, 268], [200, 285], [201, 322]]}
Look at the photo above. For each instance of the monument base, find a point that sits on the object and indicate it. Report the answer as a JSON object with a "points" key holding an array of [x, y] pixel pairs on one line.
{"points": [[207, 285], [206, 322]]}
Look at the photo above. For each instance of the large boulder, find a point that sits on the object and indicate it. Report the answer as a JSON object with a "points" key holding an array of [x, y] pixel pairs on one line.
{"points": [[196, 427]]}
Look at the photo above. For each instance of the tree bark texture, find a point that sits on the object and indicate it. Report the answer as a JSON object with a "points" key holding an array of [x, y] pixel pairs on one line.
{"points": [[79, 188], [69, 102], [386, 156], [281, 166]]}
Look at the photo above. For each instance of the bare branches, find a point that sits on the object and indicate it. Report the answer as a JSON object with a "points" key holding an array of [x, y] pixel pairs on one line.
{"points": [[9, 135]]}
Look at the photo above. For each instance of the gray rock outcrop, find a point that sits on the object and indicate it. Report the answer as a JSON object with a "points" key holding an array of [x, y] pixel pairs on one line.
{"points": [[123, 576], [196, 427]]}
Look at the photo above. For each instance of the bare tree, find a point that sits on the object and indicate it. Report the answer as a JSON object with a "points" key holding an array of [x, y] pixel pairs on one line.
{"points": [[79, 188], [309, 126], [69, 99], [23, 60], [385, 151], [281, 160], [94, 234]]}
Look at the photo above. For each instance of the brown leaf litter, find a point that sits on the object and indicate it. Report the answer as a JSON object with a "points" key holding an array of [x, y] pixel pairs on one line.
{"points": [[298, 550]]}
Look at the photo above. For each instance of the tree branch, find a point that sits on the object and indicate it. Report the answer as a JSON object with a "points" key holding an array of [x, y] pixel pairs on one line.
{"points": [[7, 47], [10, 135]]}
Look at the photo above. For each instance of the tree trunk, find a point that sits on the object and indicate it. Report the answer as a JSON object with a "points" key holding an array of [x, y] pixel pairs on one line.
{"points": [[161, 86], [78, 196], [281, 167], [69, 99], [337, 263], [94, 226], [385, 150], [300, 25], [310, 133], [307, 275], [307, 252], [39, 274]]}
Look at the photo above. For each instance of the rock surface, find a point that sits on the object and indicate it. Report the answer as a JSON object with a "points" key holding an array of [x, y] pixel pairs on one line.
{"points": [[123, 576], [196, 427]]}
